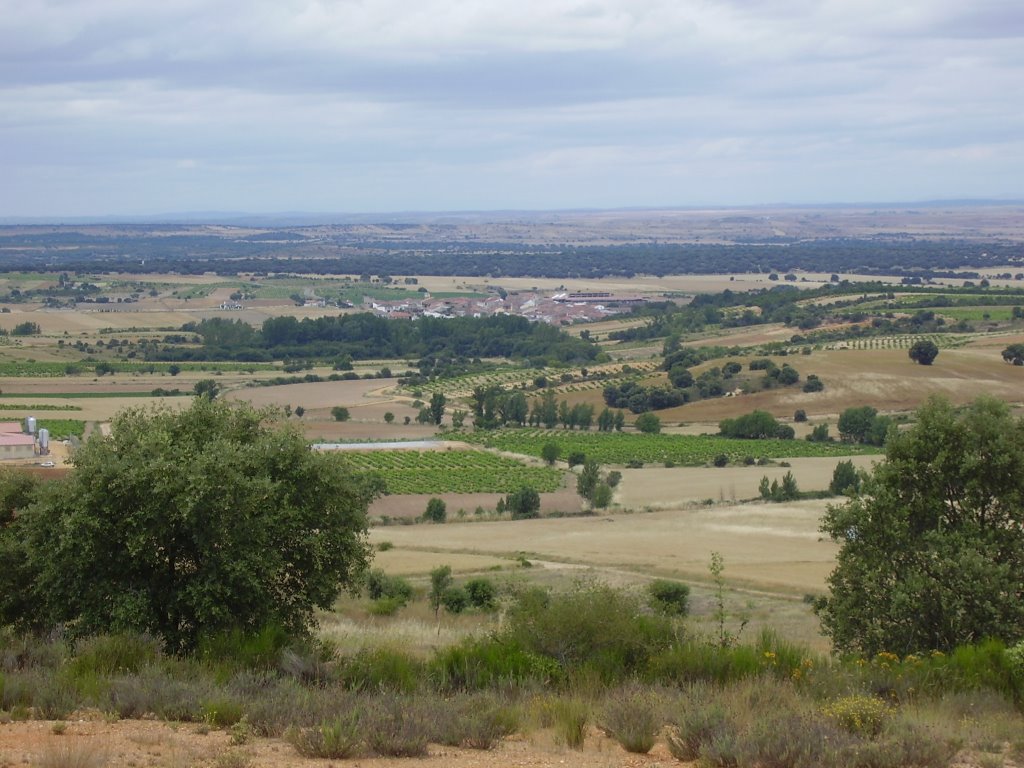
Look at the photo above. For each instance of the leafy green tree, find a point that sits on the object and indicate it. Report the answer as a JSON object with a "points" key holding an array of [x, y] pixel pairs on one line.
{"points": [[923, 352], [819, 434], [524, 503], [550, 452], [863, 425], [605, 420], [186, 523], [437, 404], [440, 582], [482, 593], [669, 597], [1014, 354], [588, 479], [648, 423], [844, 478], [932, 550], [340, 413], [436, 511], [207, 388], [575, 458], [602, 495], [389, 417], [455, 600]]}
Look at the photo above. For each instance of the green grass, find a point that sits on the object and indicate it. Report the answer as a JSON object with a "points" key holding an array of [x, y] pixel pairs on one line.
{"points": [[453, 472], [686, 450]]}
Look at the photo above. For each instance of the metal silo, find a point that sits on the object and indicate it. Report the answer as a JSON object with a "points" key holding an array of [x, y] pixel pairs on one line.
{"points": [[44, 440], [30, 424]]}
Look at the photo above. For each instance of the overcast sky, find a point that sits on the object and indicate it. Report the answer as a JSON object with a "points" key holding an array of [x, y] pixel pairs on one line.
{"points": [[147, 107]]}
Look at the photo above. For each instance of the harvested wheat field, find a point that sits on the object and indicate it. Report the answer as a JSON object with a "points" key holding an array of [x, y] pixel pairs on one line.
{"points": [[661, 488], [773, 547]]}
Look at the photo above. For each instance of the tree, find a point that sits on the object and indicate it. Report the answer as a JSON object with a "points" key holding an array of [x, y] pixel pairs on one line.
{"points": [[648, 423], [863, 425], [844, 478], [459, 418], [340, 413], [800, 415], [437, 404], [1014, 354], [440, 582], [588, 479], [550, 452], [924, 352], [389, 417], [300, 411], [524, 503], [932, 549], [436, 511], [206, 388], [183, 524]]}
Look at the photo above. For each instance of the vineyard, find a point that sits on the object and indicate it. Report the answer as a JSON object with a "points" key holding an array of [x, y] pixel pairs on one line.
{"points": [[453, 472], [599, 376], [902, 341], [62, 428], [686, 450]]}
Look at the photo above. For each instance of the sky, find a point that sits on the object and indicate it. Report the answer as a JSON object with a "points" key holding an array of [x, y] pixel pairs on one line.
{"points": [[138, 107]]}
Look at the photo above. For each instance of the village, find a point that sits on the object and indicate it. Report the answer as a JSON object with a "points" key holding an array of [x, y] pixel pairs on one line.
{"points": [[557, 309]]}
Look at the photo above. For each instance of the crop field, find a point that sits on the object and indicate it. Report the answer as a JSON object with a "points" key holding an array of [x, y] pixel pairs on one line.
{"points": [[514, 377], [618, 448], [437, 472], [902, 341], [62, 428]]}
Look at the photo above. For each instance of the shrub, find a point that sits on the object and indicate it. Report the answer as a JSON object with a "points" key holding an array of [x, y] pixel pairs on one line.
{"points": [[721, 460], [571, 717], [455, 599], [490, 663], [669, 597], [398, 726], [436, 511], [631, 716], [591, 626], [221, 712], [524, 503], [380, 586], [482, 593], [859, 715], [335, 740], [380, 669], [698, 724], [109, 654], [340, 413]]}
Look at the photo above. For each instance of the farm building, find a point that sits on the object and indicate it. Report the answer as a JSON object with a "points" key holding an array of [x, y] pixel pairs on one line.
{"points": [[17, 446]]}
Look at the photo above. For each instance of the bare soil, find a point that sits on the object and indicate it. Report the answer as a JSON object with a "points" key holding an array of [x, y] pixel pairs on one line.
{"points": [[154, 744]]}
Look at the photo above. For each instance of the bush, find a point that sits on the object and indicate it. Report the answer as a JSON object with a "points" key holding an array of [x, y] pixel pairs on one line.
{"points": [[398, 727], [592, 626], [381, 586], [110, 654], [571, 717], [482, 593], [380, 669], [340, 413], [454, 599], [336, 740], [436, 511], [490, 663], [669, 597], [858, 715], [631, 716], [800, 415], [721, 460], [523, 504]]}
